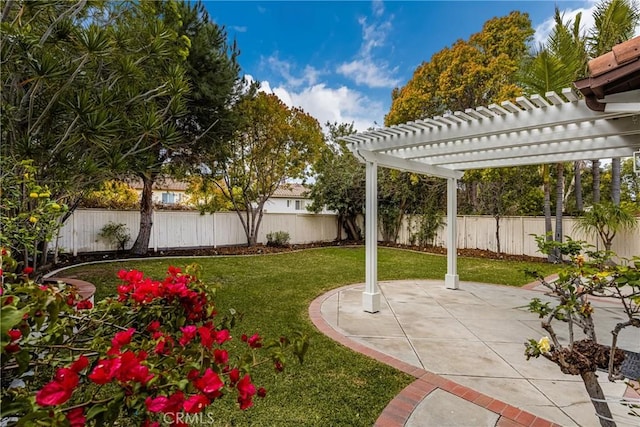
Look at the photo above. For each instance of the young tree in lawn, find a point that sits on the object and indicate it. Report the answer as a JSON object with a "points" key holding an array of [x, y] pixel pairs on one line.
{"points": [[272, 143], [340, 182]]}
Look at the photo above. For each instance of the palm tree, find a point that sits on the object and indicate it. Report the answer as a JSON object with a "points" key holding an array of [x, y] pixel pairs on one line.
{"points": [[605, 220], [614, 22], [556, 65]]}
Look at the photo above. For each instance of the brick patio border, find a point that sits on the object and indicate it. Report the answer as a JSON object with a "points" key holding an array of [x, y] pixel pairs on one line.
{"points": [[398, 411]]}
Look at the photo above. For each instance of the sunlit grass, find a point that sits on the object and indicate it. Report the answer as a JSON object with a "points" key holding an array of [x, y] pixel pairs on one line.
{"points": [[334, 386]]}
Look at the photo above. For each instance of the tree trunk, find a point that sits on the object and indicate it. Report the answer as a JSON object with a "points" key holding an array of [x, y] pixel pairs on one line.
{"points": [[615, 181], [340, 219], [559, 208], [547, 206], [590, 380], [578, 182], [595, 172], [141, 245]]}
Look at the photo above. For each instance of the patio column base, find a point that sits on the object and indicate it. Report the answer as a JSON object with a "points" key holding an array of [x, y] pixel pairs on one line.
{"points": [[371, 302], [451, 281]]}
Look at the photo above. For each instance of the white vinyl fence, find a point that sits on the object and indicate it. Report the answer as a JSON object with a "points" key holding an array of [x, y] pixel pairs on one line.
{"points": [[479, 232], [187, 229], [190, 229]]}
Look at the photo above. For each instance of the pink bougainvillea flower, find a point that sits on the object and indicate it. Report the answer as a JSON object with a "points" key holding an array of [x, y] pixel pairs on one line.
{"points": [[222, 336], [188, 334], [156, 404], [254, 341], [14, 334], [59, 390], [221, 356], [210, 384], [196, 403], [234, 376], [105, 371], [79, 364], [207, 338], [246, 391], [153, 326], [278, 366], [262, 392], [120, 339], [27, 270], [76, 417], [84, 305]]}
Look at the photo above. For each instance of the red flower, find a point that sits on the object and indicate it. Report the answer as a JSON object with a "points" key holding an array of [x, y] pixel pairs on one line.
{"points": [[234, 376], [254, 341], [84, 305], [262, 392], [27, 270], [188, 333], [105, 371], [210, 383], [157, 404], [221, 356], [76, 417], [206, 338], [12, 348], [153, 326], [223, 336], [196, 403], [71, 300], [14, 334], [59, 390], [278, 366], [120, 338], [246, 390], [79, 364]]}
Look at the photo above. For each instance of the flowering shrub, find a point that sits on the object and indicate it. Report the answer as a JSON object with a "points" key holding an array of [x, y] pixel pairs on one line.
{"points": [[588, 274], [153, 354], [29, 215]]}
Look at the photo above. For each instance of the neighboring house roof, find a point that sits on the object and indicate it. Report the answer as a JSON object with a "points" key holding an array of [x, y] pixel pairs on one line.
{"points": [[613, 77], [163, 184], [291, 191]]}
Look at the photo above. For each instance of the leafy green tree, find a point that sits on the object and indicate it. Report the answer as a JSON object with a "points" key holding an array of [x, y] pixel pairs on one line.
{"points": [[630, 183], [90, 91], [340, 182], [508, 191], [476, 72], [272, 143], [112, 194]]}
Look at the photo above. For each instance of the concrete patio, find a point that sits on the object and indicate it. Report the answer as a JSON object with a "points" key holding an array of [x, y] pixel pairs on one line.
{"points": [[466, 349]]}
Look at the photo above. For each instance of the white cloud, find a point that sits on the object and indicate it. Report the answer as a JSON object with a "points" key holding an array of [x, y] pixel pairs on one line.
{"points": [[285, 70], [365, 69], [239, 28], [586, 22], [342, 105]]}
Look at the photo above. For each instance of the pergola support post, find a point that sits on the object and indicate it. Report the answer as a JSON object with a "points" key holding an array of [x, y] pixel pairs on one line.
{"points": [[451, 280], [371, 294]]}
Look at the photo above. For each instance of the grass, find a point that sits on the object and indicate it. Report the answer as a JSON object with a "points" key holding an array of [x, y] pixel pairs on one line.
{"points": [[334, 386]]}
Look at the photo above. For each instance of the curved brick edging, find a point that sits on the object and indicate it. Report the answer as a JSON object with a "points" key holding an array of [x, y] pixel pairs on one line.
{"points": [[86, 290], [398, 411]]}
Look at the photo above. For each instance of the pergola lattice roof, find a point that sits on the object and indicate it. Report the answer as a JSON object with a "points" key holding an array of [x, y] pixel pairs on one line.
{"points": [[533, 130]]}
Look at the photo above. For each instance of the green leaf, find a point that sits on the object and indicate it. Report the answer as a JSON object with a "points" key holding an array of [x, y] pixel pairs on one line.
{"points": [[94, 411], [10, 317]]}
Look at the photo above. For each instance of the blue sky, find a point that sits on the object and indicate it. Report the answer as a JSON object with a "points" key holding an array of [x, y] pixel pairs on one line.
{"points": [[340, 60]]}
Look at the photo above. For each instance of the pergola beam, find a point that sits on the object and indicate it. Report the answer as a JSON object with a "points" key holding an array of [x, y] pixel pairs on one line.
{"points": [[407, 165]]}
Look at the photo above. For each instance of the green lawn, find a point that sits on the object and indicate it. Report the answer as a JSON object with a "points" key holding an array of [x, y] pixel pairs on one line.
{"points": [[334, 386]]}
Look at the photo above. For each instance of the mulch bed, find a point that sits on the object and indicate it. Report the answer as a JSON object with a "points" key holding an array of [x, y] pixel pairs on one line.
{"points": [[66, 259]]}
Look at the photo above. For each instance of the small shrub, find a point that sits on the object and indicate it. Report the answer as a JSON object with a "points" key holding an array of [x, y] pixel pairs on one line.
{"points": [[278, 239], [115, 234]]}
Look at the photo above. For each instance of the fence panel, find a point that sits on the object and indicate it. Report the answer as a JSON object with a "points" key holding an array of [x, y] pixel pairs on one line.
{"points": [[182, 229]]}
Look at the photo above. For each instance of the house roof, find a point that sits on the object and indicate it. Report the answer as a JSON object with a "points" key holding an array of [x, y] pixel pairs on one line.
{"points": [[166, 184], [613, 77], [291, 191]]}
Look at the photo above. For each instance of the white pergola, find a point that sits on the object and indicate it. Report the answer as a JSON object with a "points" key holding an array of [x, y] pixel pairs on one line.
{"points": [[532, 130]]}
